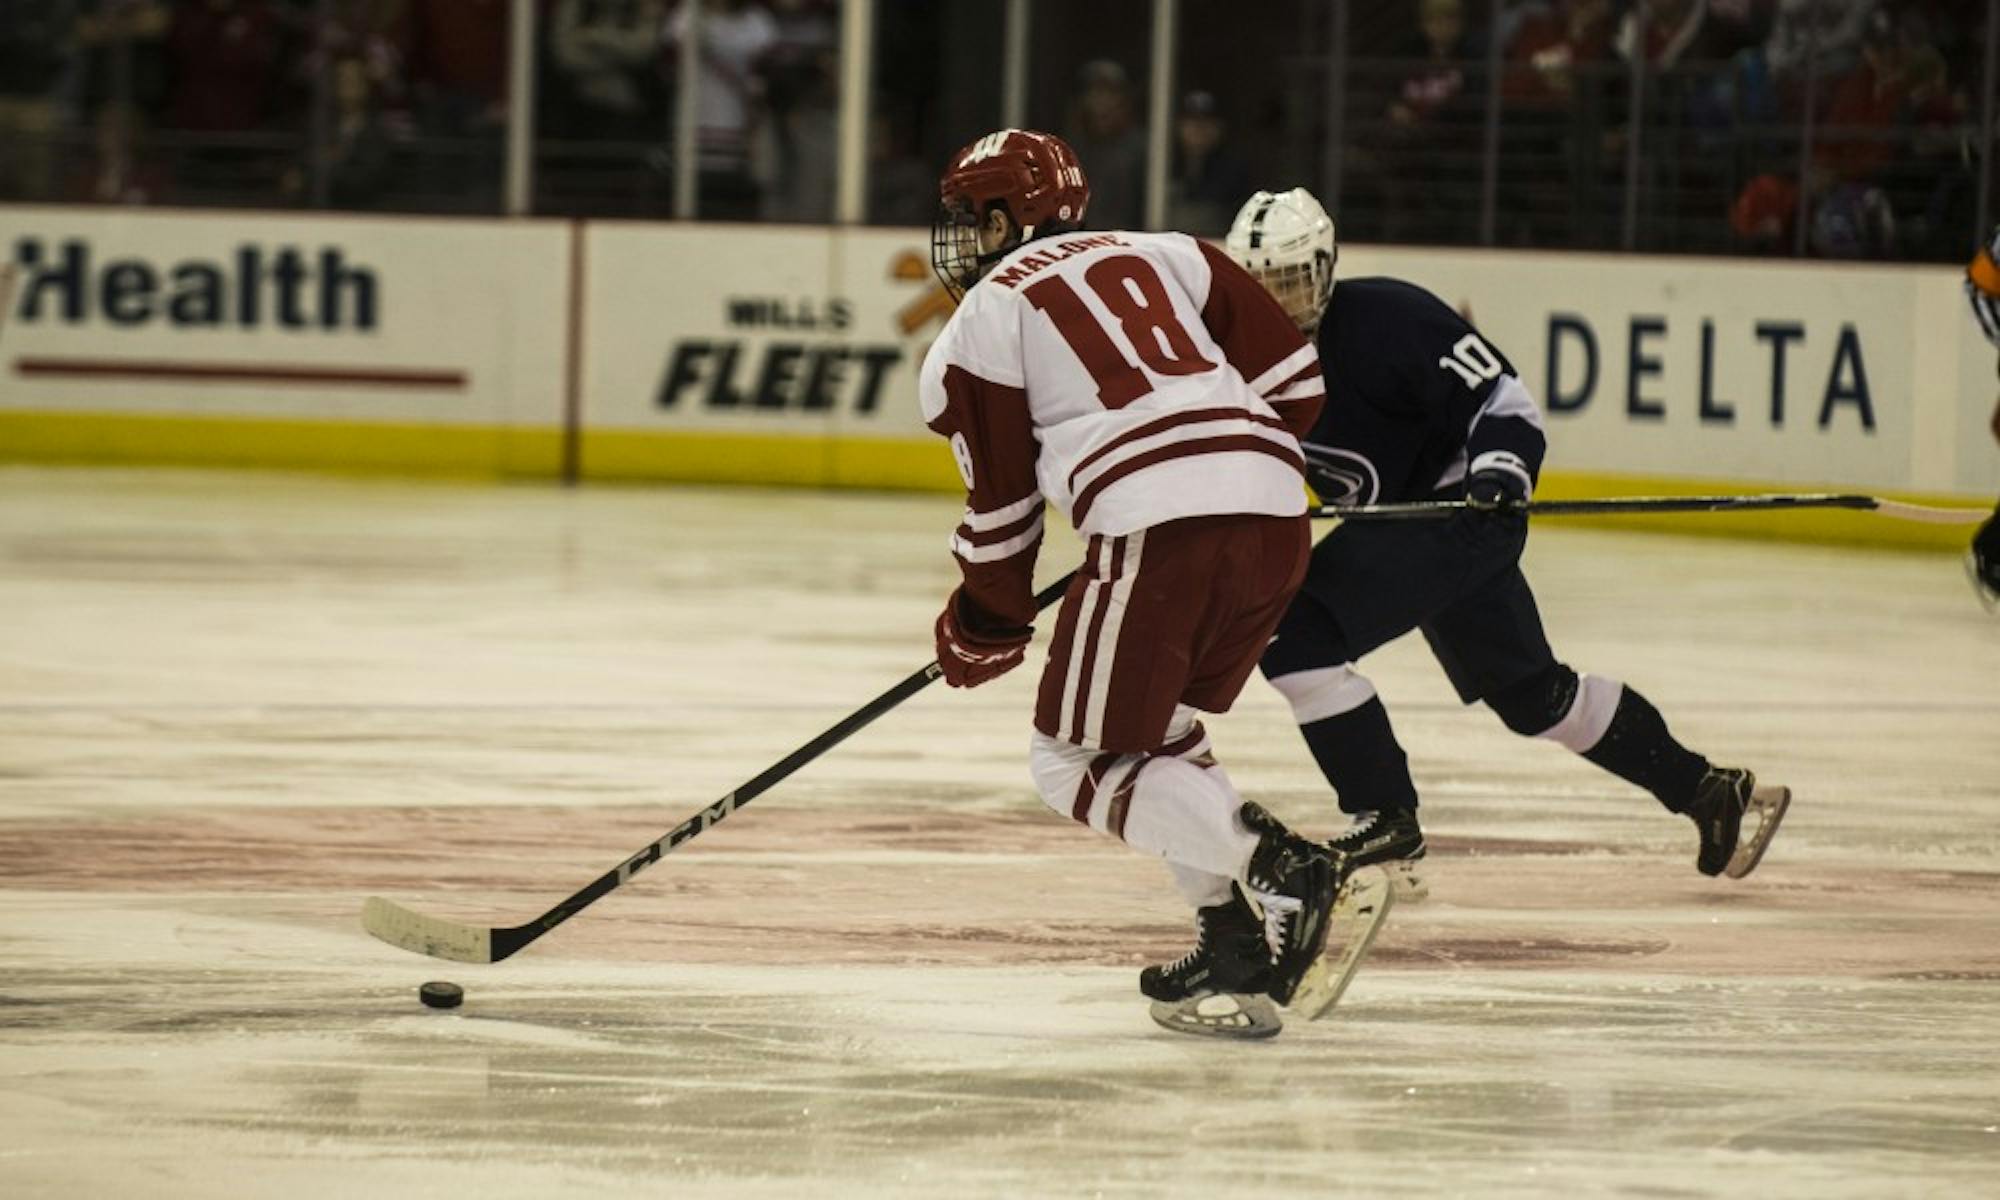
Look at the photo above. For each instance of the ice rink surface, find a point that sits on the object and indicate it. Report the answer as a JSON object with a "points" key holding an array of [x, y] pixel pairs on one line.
{"points": [[233, 706]]}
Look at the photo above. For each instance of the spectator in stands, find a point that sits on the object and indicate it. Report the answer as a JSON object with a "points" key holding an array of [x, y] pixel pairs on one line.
{"points": [[607, 56], [1104, 131], [901, 186], [224, 60], [1763, 214], [1671, 28], [458, 89], [796, 146], [459, 66], [1731, 39], [224, 57], [1878, 105], [1853, 220], [1555, 76], [1888, 138], [1732, 27], [121, 169], [122, 45], [1209, 178], [360, 158], [1437, 82], [382, 35], [735, 37], [807, 32], [37, 57], [1824, 33], [1548, 46], [1432, 130]]}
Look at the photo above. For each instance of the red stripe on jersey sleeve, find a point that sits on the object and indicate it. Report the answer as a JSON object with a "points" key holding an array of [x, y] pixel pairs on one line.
{"points": [[1297, 401], [1254, 332], [993, 439]]}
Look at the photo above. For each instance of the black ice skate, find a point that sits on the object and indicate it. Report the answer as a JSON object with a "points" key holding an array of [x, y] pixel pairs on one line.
{"points": [[1737, 820], [1216, 989], [1984, 572], [1229, 955], [1359, 909], [1295, 881], [1393, 841]]}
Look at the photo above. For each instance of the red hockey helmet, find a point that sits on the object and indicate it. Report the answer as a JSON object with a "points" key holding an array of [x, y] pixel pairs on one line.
{"points": [[1033, 176]]}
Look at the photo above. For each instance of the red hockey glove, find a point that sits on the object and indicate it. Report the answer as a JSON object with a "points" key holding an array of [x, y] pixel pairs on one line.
{"points": [[970, 658]]}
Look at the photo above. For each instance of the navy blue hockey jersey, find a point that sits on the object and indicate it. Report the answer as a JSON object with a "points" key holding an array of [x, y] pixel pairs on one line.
{"points": [[1416, 400]]}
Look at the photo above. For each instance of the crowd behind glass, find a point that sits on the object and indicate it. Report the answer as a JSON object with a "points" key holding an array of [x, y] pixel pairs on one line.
{"points": [[1835, 128]]}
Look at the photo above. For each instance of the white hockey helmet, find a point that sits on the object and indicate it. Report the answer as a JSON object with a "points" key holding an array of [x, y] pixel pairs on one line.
{"points": [[1286, 240]]}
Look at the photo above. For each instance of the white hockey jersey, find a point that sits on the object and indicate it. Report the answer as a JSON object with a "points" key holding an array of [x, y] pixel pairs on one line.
{"points": [[1129, 379]]}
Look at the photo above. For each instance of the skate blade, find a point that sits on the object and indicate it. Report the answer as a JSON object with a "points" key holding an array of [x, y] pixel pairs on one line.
{"points": [[1408, 878], [1220, 1015], [1767, 806], [1358, 913], [1988, 598]]}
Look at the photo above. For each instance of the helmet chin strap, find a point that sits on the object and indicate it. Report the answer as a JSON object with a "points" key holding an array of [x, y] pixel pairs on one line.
{"points": [[986, 259]]}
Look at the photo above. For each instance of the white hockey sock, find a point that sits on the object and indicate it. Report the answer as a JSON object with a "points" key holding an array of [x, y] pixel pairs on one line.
{"points": [[1188, 741], [1589, 715], [1166, 806], [1187, 816], [1324, 692], [1199, 888]]}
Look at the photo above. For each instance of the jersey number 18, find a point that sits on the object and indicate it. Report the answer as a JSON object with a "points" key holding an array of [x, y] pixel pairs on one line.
{"points": [[1131, 289]]}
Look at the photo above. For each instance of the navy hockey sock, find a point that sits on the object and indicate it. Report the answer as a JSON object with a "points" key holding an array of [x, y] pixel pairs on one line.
{"points": [[1358, 753], [1638, 749]]}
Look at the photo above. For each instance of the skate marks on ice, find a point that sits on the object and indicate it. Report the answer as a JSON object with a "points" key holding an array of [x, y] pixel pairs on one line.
{"points": [[903, 883], [232, 708], [913, 1080]]}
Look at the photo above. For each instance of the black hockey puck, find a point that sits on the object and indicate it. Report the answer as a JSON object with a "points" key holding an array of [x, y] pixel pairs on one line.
{"points": [[439, 994]]}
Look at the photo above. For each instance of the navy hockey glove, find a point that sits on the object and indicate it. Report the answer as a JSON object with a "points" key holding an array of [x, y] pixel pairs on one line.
{"points": [[1494, 494], [968, 655], [1497, 488]]}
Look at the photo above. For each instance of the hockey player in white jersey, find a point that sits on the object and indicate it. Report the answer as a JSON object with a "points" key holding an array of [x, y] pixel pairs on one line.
{"points": [[1148, 390], [1421, 407]]}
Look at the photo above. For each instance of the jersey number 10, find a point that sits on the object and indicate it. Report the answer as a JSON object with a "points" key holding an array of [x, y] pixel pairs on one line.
{"points": [[1132, 290], [1472, 360]]}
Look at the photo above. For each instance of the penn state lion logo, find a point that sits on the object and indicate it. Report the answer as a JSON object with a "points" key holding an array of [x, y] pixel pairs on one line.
{"points": [[1340, 476]]}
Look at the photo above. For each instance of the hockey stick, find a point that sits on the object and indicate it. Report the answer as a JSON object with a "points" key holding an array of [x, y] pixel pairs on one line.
{"points": [[439, 938], [1420, 509]]}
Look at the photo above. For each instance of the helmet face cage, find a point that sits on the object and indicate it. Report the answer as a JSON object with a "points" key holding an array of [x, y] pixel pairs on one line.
{"points": [[1302, 289], [1034, 177], [1287, 241], [955, 246]]}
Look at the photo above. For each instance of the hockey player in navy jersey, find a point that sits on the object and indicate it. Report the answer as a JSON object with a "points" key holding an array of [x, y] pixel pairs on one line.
{"points": [[1982, 288], [1420, 406]]}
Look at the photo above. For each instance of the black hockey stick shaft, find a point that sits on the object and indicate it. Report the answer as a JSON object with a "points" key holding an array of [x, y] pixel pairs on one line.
{"points": [[506, 941], [1618, 505]]}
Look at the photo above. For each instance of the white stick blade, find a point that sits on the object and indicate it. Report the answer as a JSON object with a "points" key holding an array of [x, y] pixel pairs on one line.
{"points": [[1930, 515], [419, 934]]}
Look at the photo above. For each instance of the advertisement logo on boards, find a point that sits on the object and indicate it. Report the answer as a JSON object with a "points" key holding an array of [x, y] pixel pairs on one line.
{"points": [[1799, 373], [801, 354], [283, 287]]}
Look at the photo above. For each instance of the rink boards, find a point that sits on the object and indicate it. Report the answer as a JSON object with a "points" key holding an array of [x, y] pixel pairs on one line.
{"points": [[789, 355]]}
